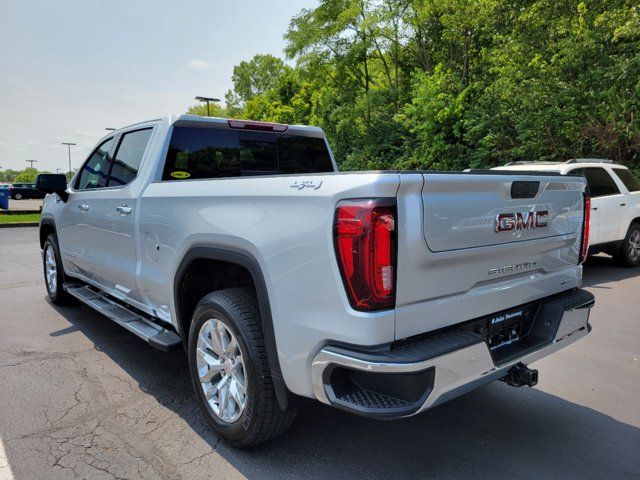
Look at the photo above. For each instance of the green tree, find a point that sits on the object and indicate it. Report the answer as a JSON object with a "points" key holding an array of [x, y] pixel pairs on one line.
{"points": [[253, 78], [28, 175], [8, 175], [215, 110], [451, 84]]}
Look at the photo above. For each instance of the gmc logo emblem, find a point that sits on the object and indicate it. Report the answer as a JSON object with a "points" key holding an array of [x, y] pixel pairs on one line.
{"points": [[508, 222]]}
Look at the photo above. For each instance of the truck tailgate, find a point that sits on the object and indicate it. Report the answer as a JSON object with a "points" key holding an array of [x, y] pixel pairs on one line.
{"points": [[462, 211], [483, 243]]}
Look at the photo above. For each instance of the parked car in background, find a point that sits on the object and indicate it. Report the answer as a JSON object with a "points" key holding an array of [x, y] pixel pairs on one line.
{"points": [[21, 191], [379, 293], [615, 203]]}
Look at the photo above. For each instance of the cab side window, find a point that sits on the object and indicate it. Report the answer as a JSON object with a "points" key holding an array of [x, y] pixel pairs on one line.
{"points": [[126, 161], [95, 172], [599, 182]]}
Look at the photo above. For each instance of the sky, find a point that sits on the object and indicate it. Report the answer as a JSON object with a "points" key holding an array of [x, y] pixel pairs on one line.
{"points": [[71, 68]]}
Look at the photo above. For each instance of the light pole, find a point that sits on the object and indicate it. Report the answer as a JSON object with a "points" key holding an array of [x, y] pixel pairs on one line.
{"points": [[31, 162], [68, 144], [207, 99], [57, 170]]}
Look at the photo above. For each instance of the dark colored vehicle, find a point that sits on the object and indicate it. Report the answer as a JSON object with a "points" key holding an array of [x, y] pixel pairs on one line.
{"points": [[20, 191]]}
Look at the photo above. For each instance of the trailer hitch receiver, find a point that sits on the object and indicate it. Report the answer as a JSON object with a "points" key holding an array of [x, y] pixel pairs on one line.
{"points": [[520, 375]]}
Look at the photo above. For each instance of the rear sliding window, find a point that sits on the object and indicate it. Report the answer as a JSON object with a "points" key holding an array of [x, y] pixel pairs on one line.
{"points": [[196, 153], [628, 179]]}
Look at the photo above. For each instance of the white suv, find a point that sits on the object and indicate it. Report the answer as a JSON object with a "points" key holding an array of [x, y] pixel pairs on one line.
{"points": [[615, 204]]}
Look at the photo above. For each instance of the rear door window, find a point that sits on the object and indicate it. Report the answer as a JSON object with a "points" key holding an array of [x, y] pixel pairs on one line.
{"points": [[198, 153], [626, 177], [599, 182]]}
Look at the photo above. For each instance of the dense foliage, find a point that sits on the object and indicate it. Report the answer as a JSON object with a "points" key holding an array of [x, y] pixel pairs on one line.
{"points": [[28, 175], [451, 84]]}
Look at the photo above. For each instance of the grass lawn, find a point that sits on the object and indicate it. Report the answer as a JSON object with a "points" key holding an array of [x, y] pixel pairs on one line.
{"points": [[19, 218]]}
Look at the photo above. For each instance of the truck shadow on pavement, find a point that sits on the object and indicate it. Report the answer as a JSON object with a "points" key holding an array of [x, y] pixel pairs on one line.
{"points": [[601, 269], [497, 431]]}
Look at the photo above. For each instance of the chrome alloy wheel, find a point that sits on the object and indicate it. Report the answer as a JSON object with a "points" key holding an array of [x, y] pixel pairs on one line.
{"points": [[51, 270], [221, 370], [634, 245]]}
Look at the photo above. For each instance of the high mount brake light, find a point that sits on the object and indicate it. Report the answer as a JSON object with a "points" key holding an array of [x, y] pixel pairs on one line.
{"points": [[365, 241], [261, 126], [586, 224]]}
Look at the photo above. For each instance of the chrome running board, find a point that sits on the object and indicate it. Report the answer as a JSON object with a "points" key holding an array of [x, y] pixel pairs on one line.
{"points": [[136, 322]]}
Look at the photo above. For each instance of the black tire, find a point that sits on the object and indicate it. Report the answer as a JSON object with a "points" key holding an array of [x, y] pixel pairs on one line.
{"points": [[262, 419], [17, 196], [56, 294], [629, 254]]}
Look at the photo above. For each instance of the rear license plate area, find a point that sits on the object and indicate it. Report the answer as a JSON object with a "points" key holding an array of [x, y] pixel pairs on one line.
{"points": [[508, 328]]}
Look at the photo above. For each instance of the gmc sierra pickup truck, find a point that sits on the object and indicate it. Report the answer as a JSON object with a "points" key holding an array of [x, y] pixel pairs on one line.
{"points": [[379, 293]]}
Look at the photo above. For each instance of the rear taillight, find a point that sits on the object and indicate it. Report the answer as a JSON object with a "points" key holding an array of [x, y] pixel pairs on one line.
{"points": [[584, 249], [365, 242]]}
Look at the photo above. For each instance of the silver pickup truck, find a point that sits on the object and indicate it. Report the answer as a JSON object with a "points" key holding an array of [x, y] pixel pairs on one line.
{"points": [[379, 293]]}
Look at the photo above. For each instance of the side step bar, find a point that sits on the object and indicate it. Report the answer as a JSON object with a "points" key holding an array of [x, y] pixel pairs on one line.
{"points": [[134, 321]]}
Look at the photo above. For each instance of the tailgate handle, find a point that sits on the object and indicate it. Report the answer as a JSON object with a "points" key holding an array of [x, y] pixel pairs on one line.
{"points": [[522, 189]]}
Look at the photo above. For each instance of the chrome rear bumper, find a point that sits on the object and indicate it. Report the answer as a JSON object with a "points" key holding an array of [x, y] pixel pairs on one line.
{"points": [[453, 373]]}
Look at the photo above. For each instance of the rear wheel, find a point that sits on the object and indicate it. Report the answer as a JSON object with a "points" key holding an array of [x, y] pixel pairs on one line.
{"points": [[629, 254], [53, 273], [229, 369], [17, 196]]}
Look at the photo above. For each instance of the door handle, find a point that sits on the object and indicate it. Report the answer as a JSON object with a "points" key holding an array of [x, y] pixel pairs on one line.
{"points": [[124, 209], [84, 207], [623, 204], [594, 208]]}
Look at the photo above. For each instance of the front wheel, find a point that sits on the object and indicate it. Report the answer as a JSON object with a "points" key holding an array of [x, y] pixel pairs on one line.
{"points": [[17, 196], [229, 369], [53, 273], [629, 254]]}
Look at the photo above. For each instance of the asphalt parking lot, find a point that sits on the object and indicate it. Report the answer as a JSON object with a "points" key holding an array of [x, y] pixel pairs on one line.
{"points": [[82, 398]]}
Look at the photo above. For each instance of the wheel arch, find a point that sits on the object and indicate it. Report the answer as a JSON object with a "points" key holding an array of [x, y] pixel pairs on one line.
{"points": [[47, 227], [247, 261]]}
